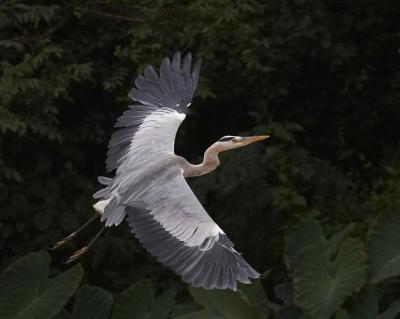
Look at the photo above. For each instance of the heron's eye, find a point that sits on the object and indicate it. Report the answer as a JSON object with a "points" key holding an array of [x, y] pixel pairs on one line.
{"points": [[237, 139], [225, 139]]}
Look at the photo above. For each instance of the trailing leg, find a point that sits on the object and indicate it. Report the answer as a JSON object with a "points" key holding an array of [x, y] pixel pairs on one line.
{"points": [[81, 252], [75, 233]]}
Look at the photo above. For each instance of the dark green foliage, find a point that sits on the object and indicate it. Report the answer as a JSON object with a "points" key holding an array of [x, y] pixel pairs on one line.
{"points": [[138, 302], [329, 275], [322, 282], [90, 302], [384, 247], [321, 77], [248, 302], [366, 305], [327, 279], [26, 292]]}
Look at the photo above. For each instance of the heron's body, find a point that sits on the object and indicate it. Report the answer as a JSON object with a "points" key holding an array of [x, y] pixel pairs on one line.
{"points": [[149, 188]]}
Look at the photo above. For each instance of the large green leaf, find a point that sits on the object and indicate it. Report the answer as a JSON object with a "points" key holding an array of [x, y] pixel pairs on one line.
{"points": [[63, 314], [285, 293], [307, 234], [26, 292], [391, 312], [184, 308], [202, 314], [322, 285], [334, 242], [134, 302], [342, 314], [289, 313], [255, 296], [138, 302], [247, 302], [163, 305], [92, 302], [366, 305], [384, 248]]}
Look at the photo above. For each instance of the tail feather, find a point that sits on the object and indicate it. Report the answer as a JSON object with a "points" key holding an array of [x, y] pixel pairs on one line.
{"points": [[101, 205]]}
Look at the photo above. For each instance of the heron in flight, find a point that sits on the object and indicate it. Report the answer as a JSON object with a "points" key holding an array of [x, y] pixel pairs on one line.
{"points": [[149, 188]]}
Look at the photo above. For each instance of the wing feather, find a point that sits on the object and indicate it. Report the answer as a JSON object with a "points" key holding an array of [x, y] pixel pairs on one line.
{"points": [[173, 90], [196, 73], [149, 187], [174, 227], [150, 74]]}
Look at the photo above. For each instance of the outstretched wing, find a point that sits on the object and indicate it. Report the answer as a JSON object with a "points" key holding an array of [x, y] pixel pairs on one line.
{"points": [[173, 226], [162, 104], [161, 209]]}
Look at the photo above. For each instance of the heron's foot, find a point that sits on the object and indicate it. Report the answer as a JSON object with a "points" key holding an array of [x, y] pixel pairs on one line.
{"points": [[75, 233], [64, 241], [79, 253]]}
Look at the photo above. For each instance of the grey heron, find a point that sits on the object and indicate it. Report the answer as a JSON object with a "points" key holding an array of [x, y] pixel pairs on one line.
{"points": [[149, 189]]}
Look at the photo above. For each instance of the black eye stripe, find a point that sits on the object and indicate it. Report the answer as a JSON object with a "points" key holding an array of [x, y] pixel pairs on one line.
{"points": [[226, 138]]}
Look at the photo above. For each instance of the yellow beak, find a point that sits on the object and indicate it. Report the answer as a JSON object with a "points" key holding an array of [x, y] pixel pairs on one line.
{"points": [[252, 139]]}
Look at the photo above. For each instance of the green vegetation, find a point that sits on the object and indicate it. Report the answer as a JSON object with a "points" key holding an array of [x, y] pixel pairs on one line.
{"points": [[316, 207], [328, 278]]}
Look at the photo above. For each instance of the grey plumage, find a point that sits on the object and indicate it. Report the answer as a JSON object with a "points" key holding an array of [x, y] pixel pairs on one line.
{"points": [[128, 123], [194, 264], [149, 187], [174, 89]]}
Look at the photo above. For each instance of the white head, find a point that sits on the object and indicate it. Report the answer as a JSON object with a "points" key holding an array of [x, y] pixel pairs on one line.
{"points": [[211, 161], [231, 142]]}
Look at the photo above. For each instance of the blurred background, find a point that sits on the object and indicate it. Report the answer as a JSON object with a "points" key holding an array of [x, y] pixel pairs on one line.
{"points": [[322, 77]]}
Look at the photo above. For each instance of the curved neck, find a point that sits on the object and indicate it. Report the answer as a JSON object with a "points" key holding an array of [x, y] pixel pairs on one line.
{"points": [[210, 162]]}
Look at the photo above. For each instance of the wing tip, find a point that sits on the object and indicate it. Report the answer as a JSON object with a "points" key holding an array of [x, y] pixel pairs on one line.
{"points": [[220, 267], [176, 60], [176, 81]]}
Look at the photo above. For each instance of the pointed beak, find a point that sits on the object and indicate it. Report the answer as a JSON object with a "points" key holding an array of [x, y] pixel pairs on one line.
{"points": [[251, 139]]}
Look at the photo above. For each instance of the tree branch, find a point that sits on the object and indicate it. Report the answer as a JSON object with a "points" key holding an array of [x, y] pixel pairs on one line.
{"points": [[114, 16]]}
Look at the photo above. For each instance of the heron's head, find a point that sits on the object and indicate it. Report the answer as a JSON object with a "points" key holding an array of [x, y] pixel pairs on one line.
{"points": [[231, 142]]}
